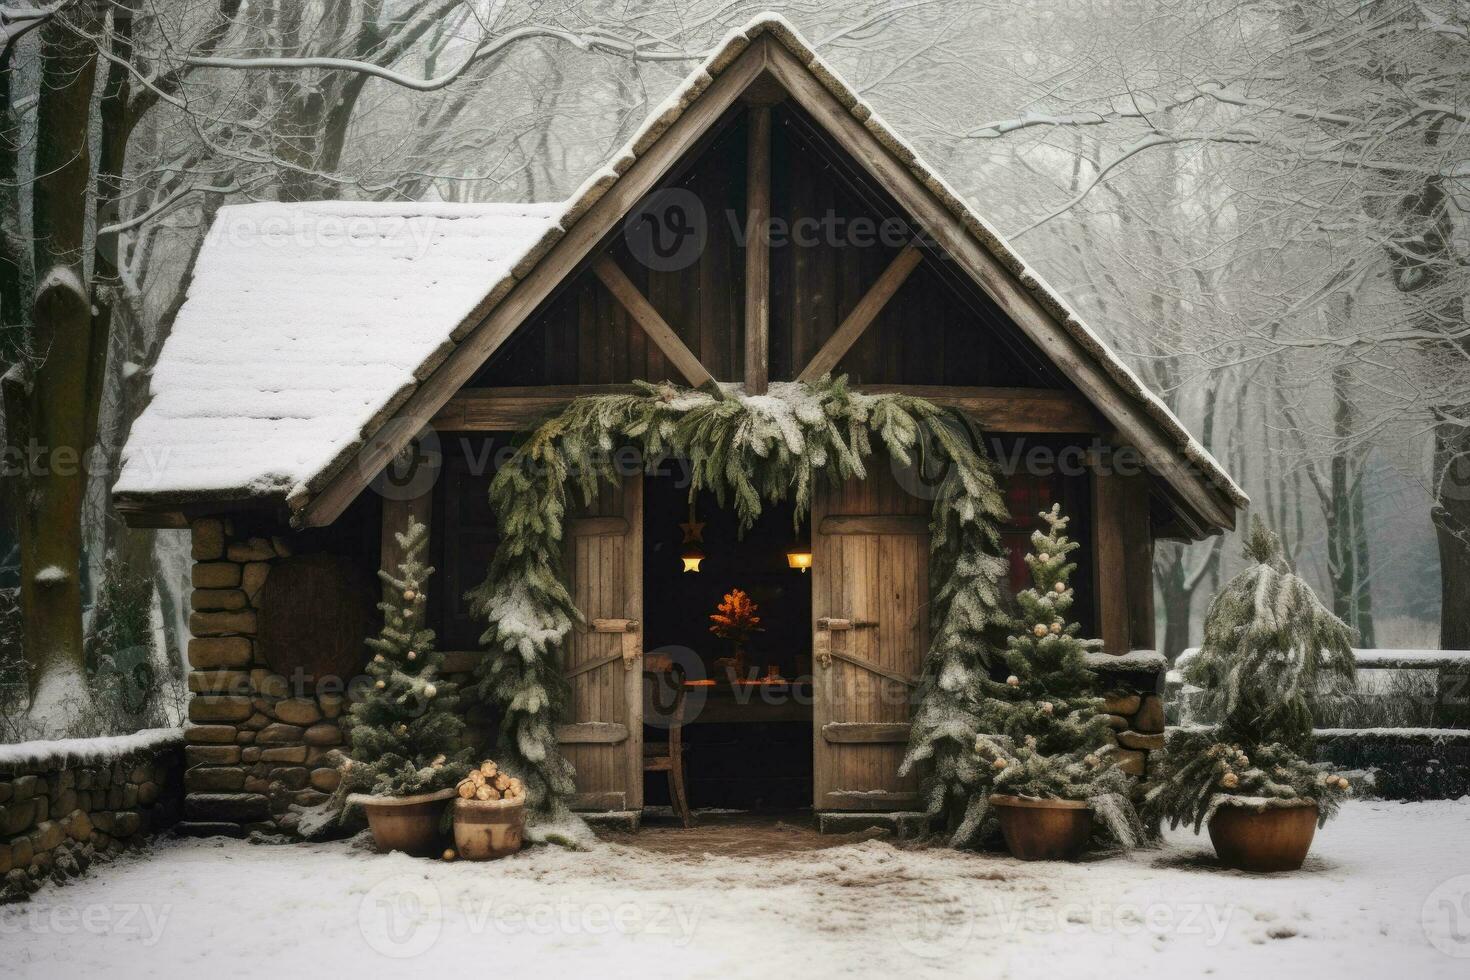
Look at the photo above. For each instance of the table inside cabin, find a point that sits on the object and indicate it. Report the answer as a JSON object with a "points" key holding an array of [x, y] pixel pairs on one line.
{"points": [[747, 701]]}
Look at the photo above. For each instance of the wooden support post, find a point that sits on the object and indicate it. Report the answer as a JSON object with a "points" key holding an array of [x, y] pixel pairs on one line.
{"points": [[658, 330], [863, 314], [1108, 558], [1138, 553], [758, 251]]}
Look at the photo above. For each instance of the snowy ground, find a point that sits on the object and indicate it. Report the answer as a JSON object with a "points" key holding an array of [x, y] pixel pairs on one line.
{"points": [[1379, 897]]}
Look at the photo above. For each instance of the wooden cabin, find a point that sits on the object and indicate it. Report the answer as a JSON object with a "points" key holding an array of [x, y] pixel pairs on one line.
{"points": [[339, 366]]}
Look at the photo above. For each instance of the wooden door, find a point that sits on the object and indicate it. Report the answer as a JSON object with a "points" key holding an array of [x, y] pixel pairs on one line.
{"points": [[603, 737], [870, 612]]}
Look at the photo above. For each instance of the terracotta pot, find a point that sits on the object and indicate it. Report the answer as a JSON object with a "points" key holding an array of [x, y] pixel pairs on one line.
{"points": [[1043, 830], [1274, 839], [488, 829], [406, 823]]}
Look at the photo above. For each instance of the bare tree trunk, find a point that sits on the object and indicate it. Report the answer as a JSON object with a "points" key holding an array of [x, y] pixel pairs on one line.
{"points": [[60, 406], [1176, 600], [1347, 546], [14, 276]]}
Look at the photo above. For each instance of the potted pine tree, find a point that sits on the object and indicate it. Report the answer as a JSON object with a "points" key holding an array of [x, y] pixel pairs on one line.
{"points": [[1270, 651], [404, 734], [1046, 742]]}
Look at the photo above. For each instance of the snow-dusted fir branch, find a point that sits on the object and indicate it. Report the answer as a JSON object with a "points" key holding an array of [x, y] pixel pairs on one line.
{"points": [[1271, 652], [748, 451]]}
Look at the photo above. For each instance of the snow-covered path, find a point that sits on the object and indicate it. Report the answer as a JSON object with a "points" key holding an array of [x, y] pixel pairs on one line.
{"points": [[1370, 900]]}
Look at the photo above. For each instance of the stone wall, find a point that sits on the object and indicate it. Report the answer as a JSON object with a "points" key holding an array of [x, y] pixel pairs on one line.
{"points": [[67, 805], [258, 741]]}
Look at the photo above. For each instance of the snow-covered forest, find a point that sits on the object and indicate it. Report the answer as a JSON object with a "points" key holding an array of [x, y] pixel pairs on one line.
{"points": [[1264, 206]]}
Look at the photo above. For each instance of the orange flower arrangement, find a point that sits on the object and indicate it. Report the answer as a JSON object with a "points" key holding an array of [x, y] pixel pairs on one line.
{"points": [[735, 618]]}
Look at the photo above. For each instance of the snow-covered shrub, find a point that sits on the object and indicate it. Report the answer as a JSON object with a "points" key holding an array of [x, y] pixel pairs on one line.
{"points": [[1271, 651]]}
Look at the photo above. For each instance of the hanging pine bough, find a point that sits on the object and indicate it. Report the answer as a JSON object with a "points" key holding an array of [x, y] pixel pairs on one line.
{"points": [[748, 450]]}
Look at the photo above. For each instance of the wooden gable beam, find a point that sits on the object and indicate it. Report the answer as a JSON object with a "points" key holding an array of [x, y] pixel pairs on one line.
{"points": [[950, 233], [495, 327], [758, 250], [1028, 410], [657, 328], [863, 314]]}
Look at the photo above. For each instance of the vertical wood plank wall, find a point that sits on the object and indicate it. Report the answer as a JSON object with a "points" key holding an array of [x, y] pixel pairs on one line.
{"points": [[830, 249]]}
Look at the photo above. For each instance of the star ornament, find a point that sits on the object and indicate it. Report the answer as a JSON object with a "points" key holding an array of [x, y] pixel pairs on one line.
{"points": [[693, 531]]}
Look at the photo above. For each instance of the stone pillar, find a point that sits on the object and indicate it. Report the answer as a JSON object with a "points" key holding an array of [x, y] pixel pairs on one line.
{"points": [[1133, 688], [257, 740]]}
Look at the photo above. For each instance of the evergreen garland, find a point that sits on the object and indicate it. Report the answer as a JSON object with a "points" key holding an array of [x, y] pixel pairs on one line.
{"points": [[1271, 651], [405, 734], [749, 450]]}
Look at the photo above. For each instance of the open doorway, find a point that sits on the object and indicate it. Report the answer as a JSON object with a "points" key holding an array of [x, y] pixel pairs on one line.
{"points": [[747, 735]]}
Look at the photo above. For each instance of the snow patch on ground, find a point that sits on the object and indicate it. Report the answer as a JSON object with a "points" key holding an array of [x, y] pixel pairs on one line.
{"points": [[220, 908]]}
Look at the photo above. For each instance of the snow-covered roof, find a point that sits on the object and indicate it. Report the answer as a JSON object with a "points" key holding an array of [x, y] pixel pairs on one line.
{"points": [[307, 325], [301, 323]]}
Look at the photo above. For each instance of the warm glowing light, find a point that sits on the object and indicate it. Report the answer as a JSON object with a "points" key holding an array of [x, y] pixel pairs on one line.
{"points": [[691, 562], [801, 560]]}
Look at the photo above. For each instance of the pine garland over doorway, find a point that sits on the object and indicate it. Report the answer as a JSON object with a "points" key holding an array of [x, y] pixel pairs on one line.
{"points": [[747, 450]]}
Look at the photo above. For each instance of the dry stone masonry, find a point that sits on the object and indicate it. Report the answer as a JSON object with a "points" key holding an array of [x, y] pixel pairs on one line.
{"points": [[63, 809], [260, 742], [1135, 707]]}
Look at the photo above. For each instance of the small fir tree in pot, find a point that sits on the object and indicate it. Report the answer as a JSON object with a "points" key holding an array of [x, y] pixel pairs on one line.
{"points": [[1044, 735], [1271, 650], [1032, 723], [404, 733]]}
